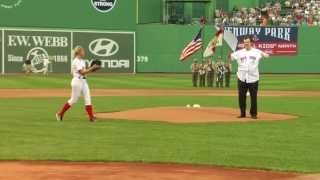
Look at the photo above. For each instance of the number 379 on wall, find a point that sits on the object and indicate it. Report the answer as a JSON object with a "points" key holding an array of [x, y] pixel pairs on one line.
{"points": [[142, 59]]}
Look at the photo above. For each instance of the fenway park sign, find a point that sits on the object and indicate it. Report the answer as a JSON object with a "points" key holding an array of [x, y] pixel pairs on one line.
{"points": [[273, 40]]}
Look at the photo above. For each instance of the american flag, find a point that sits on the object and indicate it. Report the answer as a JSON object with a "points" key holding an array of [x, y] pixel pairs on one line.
{"points": [[192, 47]]}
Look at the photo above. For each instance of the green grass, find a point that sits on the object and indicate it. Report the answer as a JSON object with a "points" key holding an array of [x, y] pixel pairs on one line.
{"points": [[155, 81], [29, 131]]}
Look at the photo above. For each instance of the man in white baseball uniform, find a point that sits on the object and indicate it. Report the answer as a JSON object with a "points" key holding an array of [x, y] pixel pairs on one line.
{"points": [[79, 84], [248, 60]]}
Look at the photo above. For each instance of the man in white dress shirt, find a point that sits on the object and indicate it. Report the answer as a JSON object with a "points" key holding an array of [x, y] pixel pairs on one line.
{"points": [[248, 60]]}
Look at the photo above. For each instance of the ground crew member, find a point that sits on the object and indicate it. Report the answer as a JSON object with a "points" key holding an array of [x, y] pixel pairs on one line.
{"points": [[195, 73]]}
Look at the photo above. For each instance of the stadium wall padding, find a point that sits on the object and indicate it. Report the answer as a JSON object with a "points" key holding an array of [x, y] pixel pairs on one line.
{"points": [[159, 48], [72, 14]]}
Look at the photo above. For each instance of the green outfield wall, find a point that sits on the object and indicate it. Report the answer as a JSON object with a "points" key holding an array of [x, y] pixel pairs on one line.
{"points": [[66, 14], [1, 52], [159, 48]]}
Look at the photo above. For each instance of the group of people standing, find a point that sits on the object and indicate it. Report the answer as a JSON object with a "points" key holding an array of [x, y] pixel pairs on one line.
{"points": [[207, 73]]}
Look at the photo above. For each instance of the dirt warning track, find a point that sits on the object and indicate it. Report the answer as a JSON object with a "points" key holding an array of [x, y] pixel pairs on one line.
{"points": [[41, 93], [41, 170]]}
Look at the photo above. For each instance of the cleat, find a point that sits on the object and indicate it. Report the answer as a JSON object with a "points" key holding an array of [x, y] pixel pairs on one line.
{"points": [[59, 117], [94, 119]]}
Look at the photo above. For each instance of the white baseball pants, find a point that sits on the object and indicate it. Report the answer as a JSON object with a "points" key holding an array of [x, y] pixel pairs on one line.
{"points": [[80, 86]]}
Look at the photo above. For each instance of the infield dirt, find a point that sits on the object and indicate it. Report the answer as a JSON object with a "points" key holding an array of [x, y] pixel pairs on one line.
{"points": [[190, 115], [42, 170]]}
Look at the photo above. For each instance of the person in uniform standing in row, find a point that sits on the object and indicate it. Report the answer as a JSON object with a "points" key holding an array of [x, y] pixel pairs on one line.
{"points": [[195, 73], [210, 73], [227, 74], [202, 74], [220, 74]]}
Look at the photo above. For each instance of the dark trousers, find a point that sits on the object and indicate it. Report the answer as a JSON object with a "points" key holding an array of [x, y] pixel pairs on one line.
{"points": [[227, 77], [219, 82], [243, 88], [202, 80], [195, 79], [210, 77]]}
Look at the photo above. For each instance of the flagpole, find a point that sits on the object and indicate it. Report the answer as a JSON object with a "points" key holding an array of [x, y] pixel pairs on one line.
{"points": [[222, 48], [221, 52], [203, 35]]}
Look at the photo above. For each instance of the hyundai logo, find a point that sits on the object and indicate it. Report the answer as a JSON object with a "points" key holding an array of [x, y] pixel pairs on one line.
{"points": [[103, 47]]}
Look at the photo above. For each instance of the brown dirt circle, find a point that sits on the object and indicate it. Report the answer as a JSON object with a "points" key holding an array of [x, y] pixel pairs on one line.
{"points": [[41, 170], [189, 115]]}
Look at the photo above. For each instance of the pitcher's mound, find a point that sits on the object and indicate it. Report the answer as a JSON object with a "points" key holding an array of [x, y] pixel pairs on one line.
{"points": [[189, 115]]}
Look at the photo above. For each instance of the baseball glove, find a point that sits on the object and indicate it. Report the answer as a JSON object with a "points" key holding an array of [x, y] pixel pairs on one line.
{"points": [[96, 62]]}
